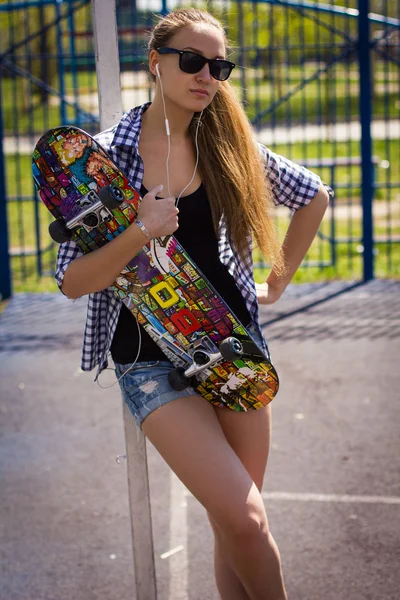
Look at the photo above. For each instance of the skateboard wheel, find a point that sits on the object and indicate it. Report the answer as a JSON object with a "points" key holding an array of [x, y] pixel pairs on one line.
{"points": [[111, 196], [231, 349], [59, 232], [177, 379]]}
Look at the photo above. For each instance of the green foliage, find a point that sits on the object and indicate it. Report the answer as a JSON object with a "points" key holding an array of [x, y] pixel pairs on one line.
{"points": [[274, 34], [279, 47], [34, 55], [38, 35]]}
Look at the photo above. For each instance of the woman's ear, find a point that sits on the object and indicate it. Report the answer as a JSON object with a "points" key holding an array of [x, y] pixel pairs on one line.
{"points": [[153, 62]]}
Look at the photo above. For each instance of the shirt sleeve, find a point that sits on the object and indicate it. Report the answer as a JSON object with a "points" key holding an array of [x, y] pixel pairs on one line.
{"points": [[292, 185], [67, 252]]}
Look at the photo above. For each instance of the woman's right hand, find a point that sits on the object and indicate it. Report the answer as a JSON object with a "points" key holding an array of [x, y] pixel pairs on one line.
{"points": [[98, 270], [160, 217]]}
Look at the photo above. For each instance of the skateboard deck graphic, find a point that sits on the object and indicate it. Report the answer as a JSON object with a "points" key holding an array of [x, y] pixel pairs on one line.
{"points": [[92, 203]]}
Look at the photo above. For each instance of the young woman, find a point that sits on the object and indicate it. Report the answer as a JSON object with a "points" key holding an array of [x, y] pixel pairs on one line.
{"points": [[230, 186]]}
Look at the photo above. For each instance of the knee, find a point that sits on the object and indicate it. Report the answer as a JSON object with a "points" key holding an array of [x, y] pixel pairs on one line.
{"points": [[241, 525], [243, 528]]}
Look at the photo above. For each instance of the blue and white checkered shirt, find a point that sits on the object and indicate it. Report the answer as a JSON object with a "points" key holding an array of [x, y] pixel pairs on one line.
{"points": [[292, 186]]}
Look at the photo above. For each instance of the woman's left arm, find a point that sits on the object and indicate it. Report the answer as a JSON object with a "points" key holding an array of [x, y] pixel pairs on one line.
{"points": [[300, 234]]}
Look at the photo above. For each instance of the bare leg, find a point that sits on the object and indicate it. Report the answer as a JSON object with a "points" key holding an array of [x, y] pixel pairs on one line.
{"points": [[259, 566], [249, 435], [228, 583], [188, 435], [257, 555]]}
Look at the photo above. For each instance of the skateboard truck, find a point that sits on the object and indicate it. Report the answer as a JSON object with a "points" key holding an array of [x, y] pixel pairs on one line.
{"points": [[94, 212], [205, 355], [96, 209]]}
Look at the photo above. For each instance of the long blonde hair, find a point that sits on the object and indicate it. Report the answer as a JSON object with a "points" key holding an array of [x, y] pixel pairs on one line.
{"points": [[230, 162]]}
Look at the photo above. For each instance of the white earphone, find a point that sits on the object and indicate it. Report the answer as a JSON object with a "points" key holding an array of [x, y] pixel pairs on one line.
{"points": [[162, 94]]}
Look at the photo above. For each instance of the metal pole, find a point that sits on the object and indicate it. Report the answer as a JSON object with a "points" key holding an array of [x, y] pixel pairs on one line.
{"points": [[110, 104], [364, 58], [61, 67], [5, 272], [73, 65], [164, 7], [107, 61]]}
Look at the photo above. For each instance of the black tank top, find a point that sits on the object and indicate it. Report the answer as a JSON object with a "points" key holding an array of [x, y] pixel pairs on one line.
{"points": [[196, 234]]}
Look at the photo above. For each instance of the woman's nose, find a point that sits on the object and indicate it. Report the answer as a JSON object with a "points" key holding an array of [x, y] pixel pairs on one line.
{"points": [[204, 74]]}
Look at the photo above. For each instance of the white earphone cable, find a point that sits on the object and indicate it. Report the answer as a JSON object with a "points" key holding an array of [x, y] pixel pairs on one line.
{"points": [[167, 130], [197, 160], [106, 387]]}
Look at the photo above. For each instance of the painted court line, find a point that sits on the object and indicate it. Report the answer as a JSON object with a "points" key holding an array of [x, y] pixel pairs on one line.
{"points": [[178, 540], [345, 498], [172, 552]]}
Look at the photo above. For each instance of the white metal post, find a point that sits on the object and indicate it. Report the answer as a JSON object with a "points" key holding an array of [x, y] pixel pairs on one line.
{"points": [[110, 106], [107, 61]]}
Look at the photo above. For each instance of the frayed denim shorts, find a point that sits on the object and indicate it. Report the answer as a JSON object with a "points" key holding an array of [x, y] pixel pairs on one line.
{"points": [[145, 385]]}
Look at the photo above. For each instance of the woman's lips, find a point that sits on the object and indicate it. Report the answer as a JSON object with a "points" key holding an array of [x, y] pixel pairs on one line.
{"points": [[201, 93]]}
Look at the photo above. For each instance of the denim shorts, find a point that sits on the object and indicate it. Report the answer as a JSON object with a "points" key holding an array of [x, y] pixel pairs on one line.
{"points": [[145, 385]]}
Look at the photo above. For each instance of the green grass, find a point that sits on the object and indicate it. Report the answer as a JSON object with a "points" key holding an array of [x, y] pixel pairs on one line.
{"points": [[23, 235], [349, 259], [349, 255], [344, 176], [19, 178], [26, 113], [3, 304], [25, 278], [327, 104], [330, 98], [327, 98], [341, 72]]}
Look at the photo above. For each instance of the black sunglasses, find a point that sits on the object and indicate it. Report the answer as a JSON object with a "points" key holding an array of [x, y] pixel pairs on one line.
{"points": [[191, 62]]}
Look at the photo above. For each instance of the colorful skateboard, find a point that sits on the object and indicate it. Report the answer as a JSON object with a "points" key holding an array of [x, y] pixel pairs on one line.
{"points": [[92, 202]]}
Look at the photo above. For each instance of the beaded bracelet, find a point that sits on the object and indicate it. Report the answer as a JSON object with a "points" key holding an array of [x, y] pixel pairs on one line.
{"points": [[143, 229]]}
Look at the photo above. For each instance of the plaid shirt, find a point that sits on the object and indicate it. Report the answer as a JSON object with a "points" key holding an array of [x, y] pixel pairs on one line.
{"points": [[292, 186]]}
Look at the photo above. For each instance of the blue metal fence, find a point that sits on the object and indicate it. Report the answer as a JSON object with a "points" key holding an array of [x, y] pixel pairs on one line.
{"points": [[319, 82]]}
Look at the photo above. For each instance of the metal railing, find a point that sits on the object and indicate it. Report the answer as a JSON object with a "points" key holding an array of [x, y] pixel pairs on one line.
{"points": [[319, 82]]}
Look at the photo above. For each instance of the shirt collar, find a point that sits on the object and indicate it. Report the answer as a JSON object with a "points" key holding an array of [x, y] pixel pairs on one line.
{"points": [[127, 132]]}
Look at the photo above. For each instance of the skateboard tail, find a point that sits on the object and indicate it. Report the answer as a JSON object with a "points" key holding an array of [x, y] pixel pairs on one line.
{"points": [[68, 165]]}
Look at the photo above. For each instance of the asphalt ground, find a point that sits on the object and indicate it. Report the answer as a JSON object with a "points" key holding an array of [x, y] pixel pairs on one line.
{"points": [[332, 488]]}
